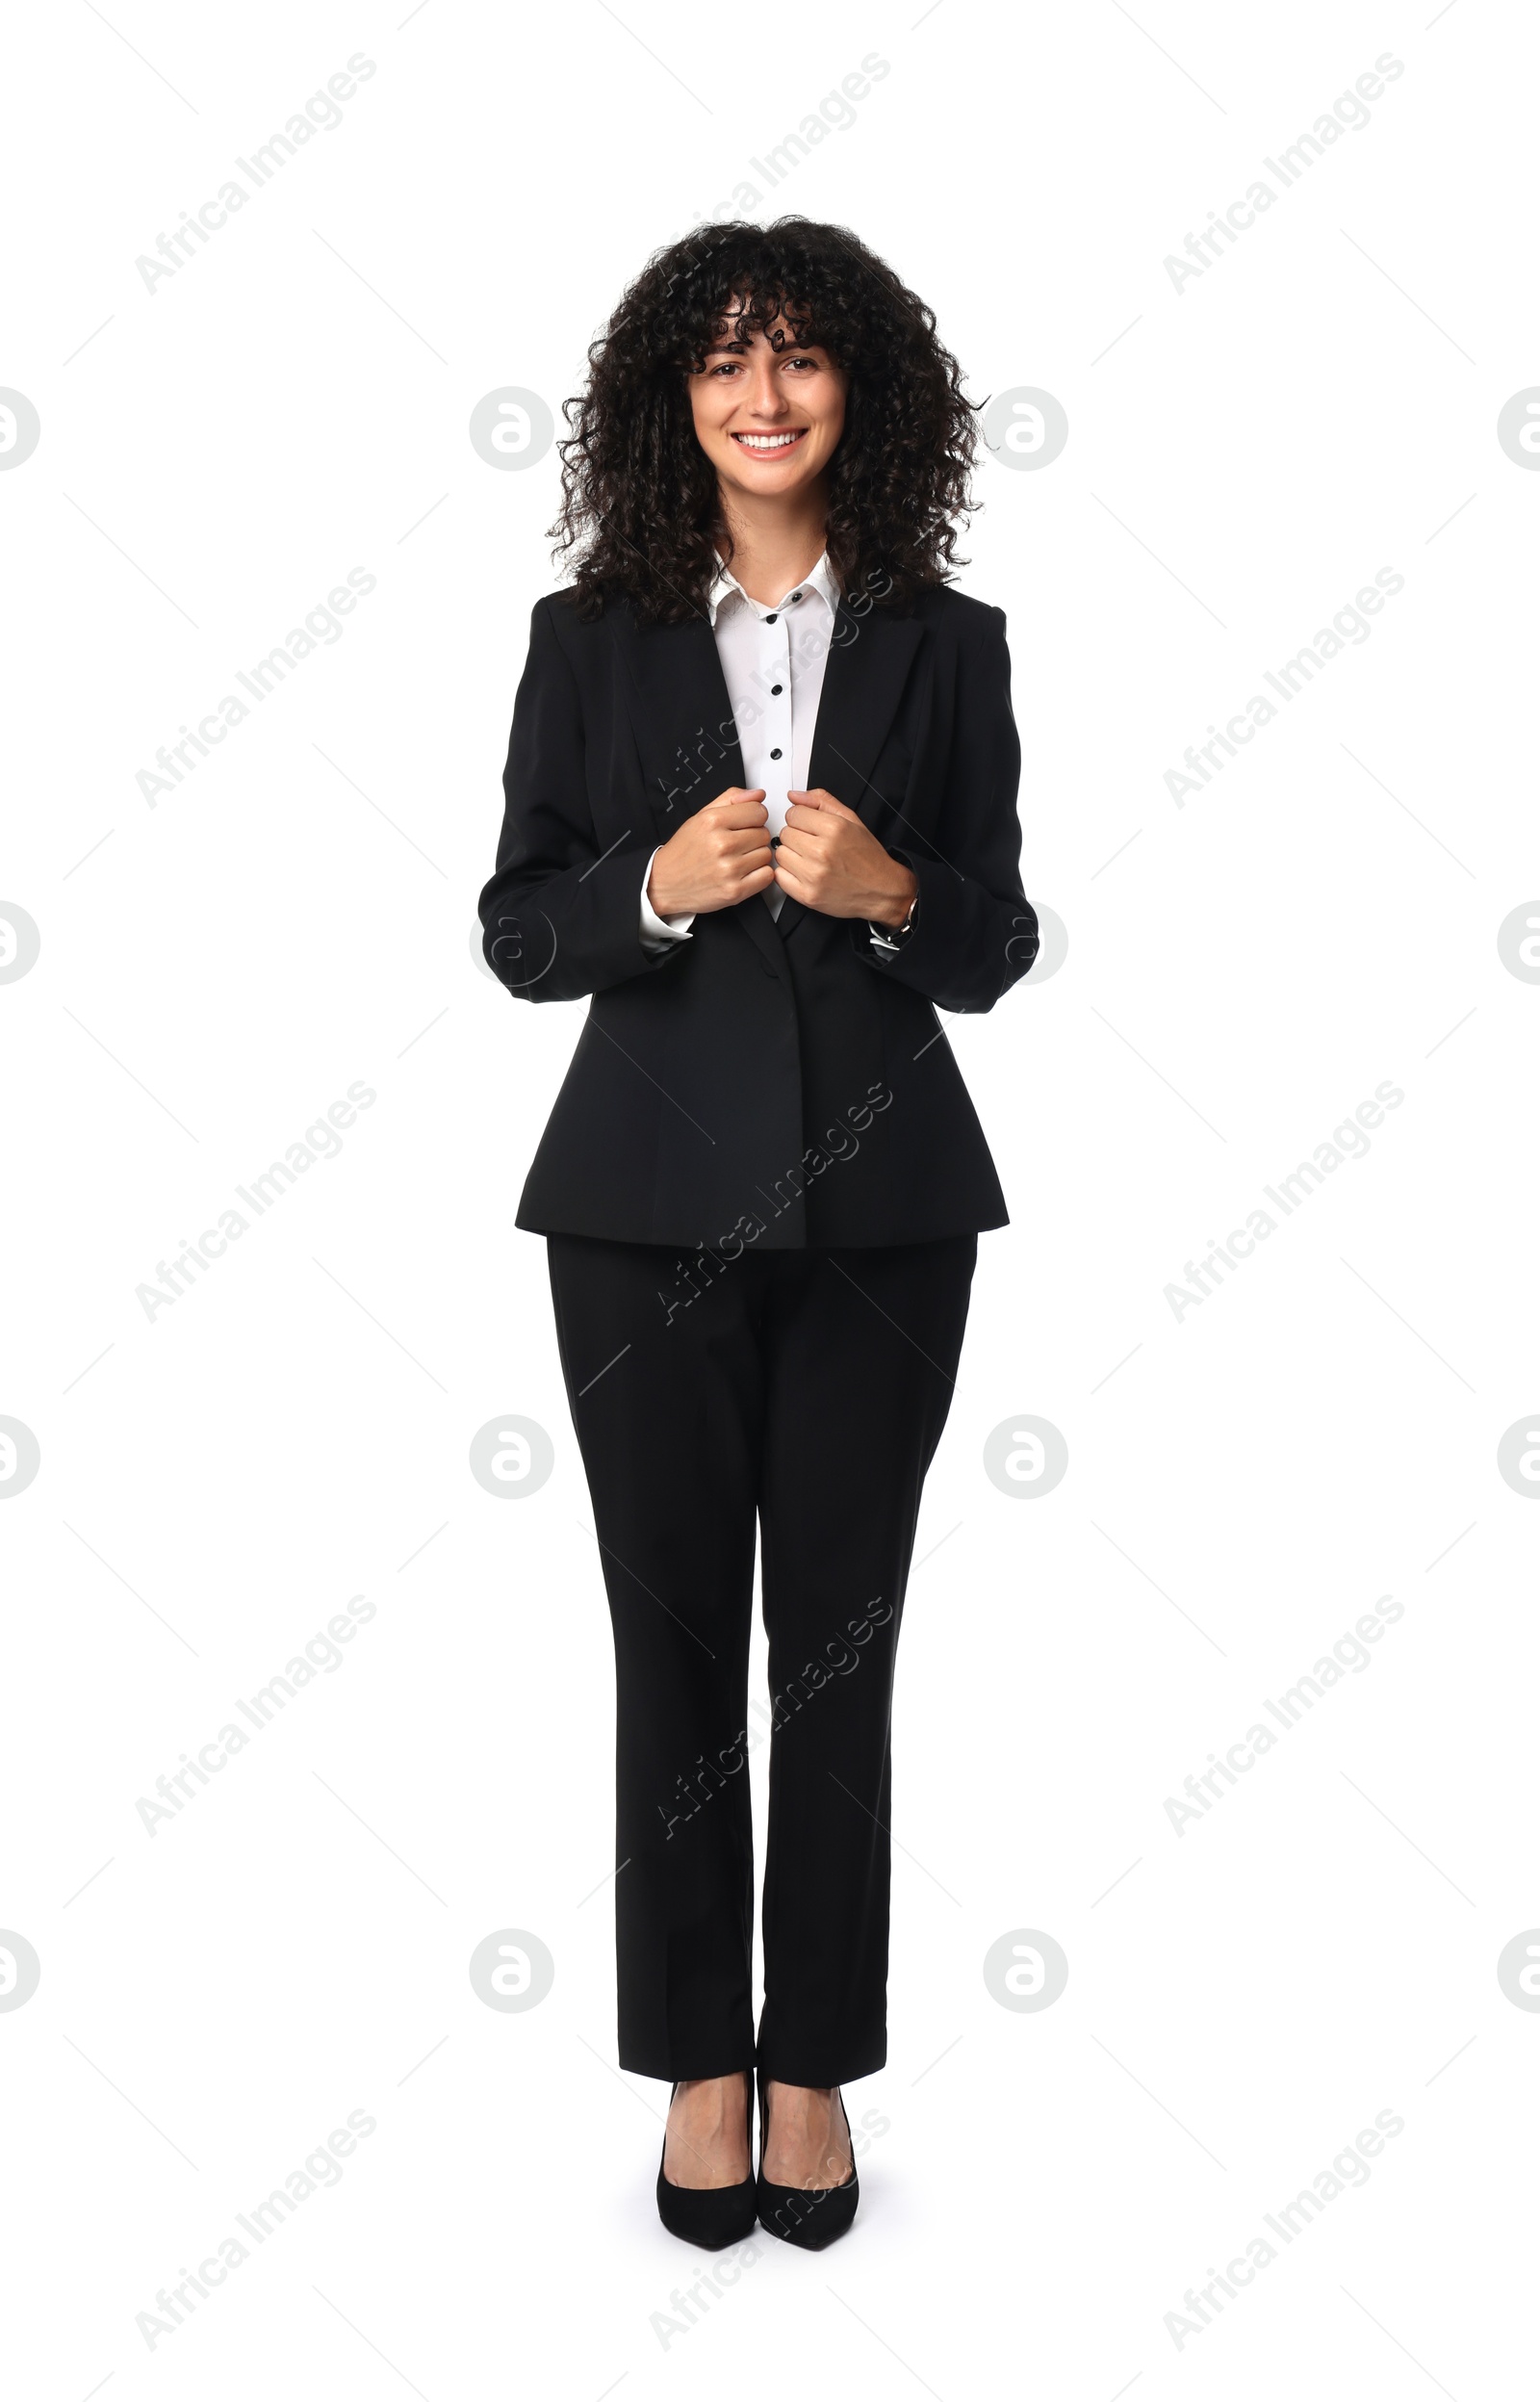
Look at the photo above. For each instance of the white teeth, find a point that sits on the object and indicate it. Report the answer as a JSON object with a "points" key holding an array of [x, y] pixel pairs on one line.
{"points": [[766, 440]]}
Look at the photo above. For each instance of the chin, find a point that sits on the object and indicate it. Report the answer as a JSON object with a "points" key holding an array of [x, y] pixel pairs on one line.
{"points": [[790, 478]]}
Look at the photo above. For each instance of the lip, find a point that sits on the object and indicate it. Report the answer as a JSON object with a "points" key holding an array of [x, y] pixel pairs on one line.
{"points": [[784, 440]]}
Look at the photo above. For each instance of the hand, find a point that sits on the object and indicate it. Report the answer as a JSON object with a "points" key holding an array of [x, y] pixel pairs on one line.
{"points": [[830, 861], [717, 858]]}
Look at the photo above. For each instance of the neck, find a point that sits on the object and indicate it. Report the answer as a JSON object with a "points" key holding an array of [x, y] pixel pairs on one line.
{"points": [[775, 543]]}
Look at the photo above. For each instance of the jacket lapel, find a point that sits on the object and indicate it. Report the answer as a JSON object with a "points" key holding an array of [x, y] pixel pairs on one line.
{"points": [[676, 699], [870, 662]]}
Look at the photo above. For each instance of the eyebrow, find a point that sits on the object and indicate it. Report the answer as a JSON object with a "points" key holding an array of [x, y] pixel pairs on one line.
{"points": [[736, 347]]}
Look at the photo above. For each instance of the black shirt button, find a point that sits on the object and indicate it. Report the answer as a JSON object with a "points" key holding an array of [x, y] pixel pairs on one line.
{"points": [[770, 620], [796, 596], [775, 754], [777, 687]]}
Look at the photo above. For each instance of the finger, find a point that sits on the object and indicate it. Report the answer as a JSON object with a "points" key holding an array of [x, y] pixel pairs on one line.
{"points": [[735, 794], [830, 806], [749, 812]]}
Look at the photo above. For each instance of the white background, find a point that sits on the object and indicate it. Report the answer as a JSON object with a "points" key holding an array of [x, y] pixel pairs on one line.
{"points": [[1244, 1480]]}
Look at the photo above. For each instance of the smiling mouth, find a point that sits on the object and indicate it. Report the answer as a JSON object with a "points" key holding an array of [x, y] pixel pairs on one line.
{"points": [[769, 445]]}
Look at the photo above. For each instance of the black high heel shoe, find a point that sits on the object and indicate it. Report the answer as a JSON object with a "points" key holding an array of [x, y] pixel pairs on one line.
{"points": [[713, 2216], [810, 2216]]}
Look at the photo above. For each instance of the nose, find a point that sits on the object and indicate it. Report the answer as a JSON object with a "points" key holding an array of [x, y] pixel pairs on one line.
{"points": [[766, 395]]}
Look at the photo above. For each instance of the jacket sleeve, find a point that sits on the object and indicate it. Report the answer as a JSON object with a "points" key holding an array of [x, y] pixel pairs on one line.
{"points": [[975, 933], [559, 919]]}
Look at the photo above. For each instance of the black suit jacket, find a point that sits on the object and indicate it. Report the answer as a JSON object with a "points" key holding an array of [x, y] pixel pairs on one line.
{"points": [[772, 1080]]}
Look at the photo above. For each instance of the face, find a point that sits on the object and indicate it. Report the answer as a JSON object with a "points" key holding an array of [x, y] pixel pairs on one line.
{"points": [[767, 414]]}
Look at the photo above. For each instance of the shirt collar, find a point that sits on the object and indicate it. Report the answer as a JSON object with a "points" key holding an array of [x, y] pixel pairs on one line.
{"points": [[820, 580]]}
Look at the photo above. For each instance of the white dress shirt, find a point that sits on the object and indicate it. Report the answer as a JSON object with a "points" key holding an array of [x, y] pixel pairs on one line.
{"points": [[773, 660]]}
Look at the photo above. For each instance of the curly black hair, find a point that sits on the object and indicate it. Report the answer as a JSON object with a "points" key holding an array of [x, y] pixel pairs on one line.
{"points": [[640, 510]]}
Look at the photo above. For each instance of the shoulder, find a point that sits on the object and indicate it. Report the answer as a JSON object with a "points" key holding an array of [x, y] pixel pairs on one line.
{"points": [[970, 658], [560, 632], [968, 637], [959, 621], [558, 613]]}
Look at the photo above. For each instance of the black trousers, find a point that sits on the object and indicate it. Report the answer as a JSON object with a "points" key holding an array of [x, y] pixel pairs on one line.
{"points": [[807, 1390]]}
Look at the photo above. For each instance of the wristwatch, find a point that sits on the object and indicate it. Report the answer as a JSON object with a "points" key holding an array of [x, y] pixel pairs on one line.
{"points": [[889, 937]]}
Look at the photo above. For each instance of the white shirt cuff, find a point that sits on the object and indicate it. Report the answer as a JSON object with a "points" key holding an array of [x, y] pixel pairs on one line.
{"points": [[658, 932]]}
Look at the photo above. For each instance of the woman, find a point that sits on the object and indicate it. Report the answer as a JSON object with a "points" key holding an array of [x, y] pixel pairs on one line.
{"points": [[762, 807]]}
